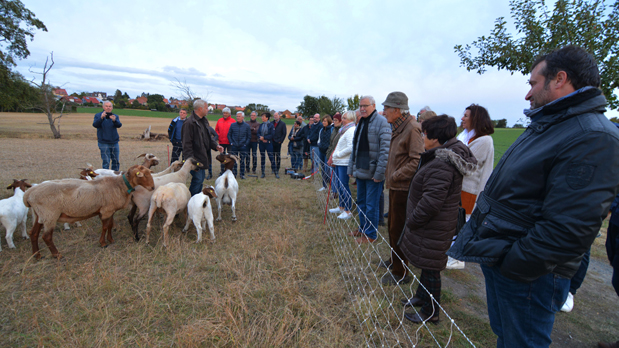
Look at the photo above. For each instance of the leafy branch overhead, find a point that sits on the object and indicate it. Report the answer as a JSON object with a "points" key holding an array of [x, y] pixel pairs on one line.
{"points": [[17, 24], [591, 24]]}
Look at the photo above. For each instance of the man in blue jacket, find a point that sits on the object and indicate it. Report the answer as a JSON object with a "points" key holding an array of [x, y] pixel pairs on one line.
{"points": [[265, 142], [312, 139], [174, 132], [279, 135], [543, 205], [239, 136], [107, 135]]}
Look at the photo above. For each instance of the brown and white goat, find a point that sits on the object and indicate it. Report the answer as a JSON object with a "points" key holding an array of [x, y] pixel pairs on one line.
{"points": [[71, 200], [200, 212], [13, 212], [226, 186]]}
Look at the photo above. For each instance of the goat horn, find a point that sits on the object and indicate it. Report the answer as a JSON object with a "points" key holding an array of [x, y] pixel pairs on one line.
{"points": [[142, 155], [234, 157]]}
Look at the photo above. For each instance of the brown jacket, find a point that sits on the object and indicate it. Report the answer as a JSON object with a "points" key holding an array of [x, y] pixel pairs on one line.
{"points": [[432, 206], [404, 151]]}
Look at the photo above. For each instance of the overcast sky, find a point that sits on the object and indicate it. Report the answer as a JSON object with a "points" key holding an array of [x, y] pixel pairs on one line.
{"points": [[275, 52]]}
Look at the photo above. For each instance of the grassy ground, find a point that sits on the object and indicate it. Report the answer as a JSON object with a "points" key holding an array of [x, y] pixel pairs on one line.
{"points": [[271, 279], [503, 138]]}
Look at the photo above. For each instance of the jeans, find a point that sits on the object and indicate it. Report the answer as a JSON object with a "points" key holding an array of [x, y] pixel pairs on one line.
{"points": [[381, 205], [197, 178], [253, 149], [177, 150], [268, 148], [579, 276], [314, 155], [368, 195], [343, 190], [241, 153], [522, 314], [277, 154], [109, 152]]}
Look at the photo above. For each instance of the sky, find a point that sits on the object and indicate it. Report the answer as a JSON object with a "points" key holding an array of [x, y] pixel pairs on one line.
{"points": [[275, 52]]}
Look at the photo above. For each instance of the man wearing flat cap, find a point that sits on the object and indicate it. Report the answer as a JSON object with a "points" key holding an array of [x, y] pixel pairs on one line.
{"points": [[404, 152]]}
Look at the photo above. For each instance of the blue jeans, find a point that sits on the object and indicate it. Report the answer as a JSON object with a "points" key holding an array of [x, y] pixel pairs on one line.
{"points": [[241, 153], [197, 178], [343, 190], [522, 314], [253, 149], [314, 153], [109, 152], [368, 195], [177, 150]]}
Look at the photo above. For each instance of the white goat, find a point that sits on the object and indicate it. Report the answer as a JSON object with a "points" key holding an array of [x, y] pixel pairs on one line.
{"points": [[172, 198], [13, 212], [141, 197], [174, 167], [226, 186], [200, 212], [149, 161]]}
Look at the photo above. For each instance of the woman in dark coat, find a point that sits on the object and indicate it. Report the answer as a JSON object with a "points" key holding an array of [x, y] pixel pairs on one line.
{"points": [[432, 210]]}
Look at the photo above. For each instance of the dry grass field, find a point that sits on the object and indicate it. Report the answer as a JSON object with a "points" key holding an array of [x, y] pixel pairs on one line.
{"points": [[269, 280]]}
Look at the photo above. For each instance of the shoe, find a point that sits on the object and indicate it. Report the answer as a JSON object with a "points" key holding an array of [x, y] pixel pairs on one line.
{"points": [[355, 233], [391, 279], [419, 318], [243, 177], [608, 345], [262, 176], [209, 176], [344, 216], [569, 303], [412, 302], [277, 175], [364, 240], [321, 189], [384, 264], [454, 264], [335, 210]]}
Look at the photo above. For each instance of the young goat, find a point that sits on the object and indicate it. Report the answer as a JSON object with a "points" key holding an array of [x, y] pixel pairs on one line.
{"points": [[71, 200], [200, 212], [226, 186], [172, 198], [174, 167], [149, 161], [13, 212]]}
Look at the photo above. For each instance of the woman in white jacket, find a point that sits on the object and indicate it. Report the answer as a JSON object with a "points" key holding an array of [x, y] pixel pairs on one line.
{"points": [[340, 158], [476, 135]]}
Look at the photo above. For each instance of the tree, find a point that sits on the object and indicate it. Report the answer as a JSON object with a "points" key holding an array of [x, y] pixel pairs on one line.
{"points": [[330, 106], [353, 102], [309, 106], [48, 100], [590, 24], [187, 92], [17, 23], [614, 119], [118, 96], [258, 108], [518, 125], [17, 93], [502, 123]]}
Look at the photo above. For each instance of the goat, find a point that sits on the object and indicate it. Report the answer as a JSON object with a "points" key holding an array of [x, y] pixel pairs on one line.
{"points": [[140, 199], [226, 186], [150, 160], [200, 212], [13, 212], [71, 200], [172, 198], [174, 167]]}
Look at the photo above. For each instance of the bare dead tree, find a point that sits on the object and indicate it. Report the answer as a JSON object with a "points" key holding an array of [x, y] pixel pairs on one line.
{"points": [[186, 93], [48, 101]]}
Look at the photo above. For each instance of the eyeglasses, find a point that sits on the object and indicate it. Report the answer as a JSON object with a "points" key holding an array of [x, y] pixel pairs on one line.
{"points": [[365, 106]]}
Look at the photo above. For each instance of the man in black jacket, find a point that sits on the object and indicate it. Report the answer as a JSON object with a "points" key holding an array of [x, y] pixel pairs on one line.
{"points": [[198, 143], [278, 138], [542, 207]]}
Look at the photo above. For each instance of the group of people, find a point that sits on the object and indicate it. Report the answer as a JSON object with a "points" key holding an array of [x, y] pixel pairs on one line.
{"points": [[530, 220]]}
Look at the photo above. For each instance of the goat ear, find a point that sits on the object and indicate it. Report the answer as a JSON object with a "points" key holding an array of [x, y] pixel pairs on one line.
{"points": [[9, 187], [209, 191], [142, 155], [139, 174]]}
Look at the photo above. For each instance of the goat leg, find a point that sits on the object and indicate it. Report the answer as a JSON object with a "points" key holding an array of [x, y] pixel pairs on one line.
{"points": [[48, 239], [34, 239], [109, 230]]}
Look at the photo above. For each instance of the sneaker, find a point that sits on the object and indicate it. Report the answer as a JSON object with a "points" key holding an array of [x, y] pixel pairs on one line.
{"points": [[335, 210], [344, 216], [321, 189], [454, 264], [569, 303]]}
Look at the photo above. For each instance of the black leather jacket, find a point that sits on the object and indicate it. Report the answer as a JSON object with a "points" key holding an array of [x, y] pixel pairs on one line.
{"points": [[543, 205]]}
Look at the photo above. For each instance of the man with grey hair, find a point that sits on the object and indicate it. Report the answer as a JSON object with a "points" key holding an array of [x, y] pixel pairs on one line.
{"points": [[107, 125], [368, 162], [198, 143], [221, 128], [422, 110], [405, 149]]}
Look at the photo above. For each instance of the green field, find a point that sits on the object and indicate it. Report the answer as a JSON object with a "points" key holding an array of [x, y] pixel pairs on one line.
{"points": [[503, 138]]}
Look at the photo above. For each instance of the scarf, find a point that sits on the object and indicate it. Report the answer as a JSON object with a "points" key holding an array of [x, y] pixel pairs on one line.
{"points": [[343, 129], [466, 136], [362, 153]]}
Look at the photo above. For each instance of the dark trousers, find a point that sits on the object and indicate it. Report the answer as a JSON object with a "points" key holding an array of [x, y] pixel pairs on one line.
{"points": [[253, 149], [579, 276], [277, 151], [226, 150], [241, 153], [268, 149], [431, 281], [177, 150], [396, 222]]}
